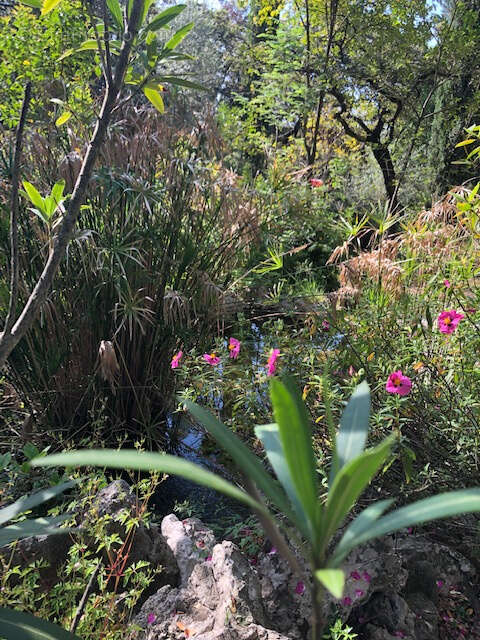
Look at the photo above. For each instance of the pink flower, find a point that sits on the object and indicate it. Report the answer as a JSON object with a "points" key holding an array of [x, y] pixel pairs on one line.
{"points": [[325, 326], [271, 363], [151, 618], [359, 593], [366, 576], [234, 347], [447, 283], [471, 310], [355, 575], [440, 583], [347, 601], [272, 551], [398, 383], [448, 321], [300, 588], [211, 358], [316, 182], [409, 530], [208, 559], [176, 360]]}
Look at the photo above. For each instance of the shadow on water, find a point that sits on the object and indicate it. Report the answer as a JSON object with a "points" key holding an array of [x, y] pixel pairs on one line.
{"points": [[186, 440]]}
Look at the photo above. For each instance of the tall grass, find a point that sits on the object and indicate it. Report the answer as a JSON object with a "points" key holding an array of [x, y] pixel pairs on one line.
{"points": [[161, 230]]}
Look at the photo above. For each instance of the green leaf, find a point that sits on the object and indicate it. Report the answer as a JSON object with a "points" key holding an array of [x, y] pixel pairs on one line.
{"points": [[362, 523], [463, 143], [295, 434], [89, 45], [438, 507], [333, 580], [155, 98], [269, 435], [36, 4], [116, 11], [176, 39], [352, 436], [64, 117], [165, 17], [146, 6], [18, 625], [33, 195], [49, 5], [57, 191], [33, 527], [127, 459], [247, 462], [26, 503], [350, 482]]}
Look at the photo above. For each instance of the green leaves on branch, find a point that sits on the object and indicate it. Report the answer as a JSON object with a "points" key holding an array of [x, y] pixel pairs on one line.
{"points": [[45, 208]]}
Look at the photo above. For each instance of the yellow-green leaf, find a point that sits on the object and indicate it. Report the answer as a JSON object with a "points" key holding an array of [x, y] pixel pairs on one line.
{"points": [[155, 98], [66, 115], [49, 5], [333, 580]]}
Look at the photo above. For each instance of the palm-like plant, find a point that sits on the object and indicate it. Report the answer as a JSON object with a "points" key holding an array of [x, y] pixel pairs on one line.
{"points": [[295, 493]]}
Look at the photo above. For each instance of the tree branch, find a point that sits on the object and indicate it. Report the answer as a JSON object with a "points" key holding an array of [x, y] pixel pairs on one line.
{"points": [[8, 340], [14, 267]]}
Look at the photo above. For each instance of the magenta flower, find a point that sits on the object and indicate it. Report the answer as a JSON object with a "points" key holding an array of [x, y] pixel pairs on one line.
{"points": [[355, 575], [300, 588], [359, 593], [447, 283], [316, 182], [151, 618], [366, 576], [347, 601], [211, 358], [448, 321], [440, 583], [271, 363], [325, 326], [272, 551], [471, 310], [176, 360], [234, 347], [398, 383]]}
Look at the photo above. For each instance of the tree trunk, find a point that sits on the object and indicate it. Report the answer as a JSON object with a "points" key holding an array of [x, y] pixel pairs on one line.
{"points": [[382, 155]]}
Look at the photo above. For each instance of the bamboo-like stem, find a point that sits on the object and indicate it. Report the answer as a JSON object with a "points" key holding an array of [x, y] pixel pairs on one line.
{"points": [[318, 617]]}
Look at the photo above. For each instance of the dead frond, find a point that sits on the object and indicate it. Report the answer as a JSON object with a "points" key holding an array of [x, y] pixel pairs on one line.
{"points": [[109, 367]]}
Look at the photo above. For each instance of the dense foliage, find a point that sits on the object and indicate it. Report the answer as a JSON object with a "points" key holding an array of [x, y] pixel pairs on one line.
{"points": [[283, 188]]}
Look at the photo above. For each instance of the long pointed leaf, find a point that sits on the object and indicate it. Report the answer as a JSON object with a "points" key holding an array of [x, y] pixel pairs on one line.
{"points": [[247, 462], [352, 436], [18, 625], [296, 438], [116, 12], [165, 17], [438, 507], [269, 435], [29, 502], [27, 528], [362, 523], [143, 461], [350, 482], [33, 195], [177, 37]]}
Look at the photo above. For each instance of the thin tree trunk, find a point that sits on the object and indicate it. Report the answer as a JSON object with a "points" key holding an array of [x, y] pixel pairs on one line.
{"points": [[9, 339], [382, 155]]}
